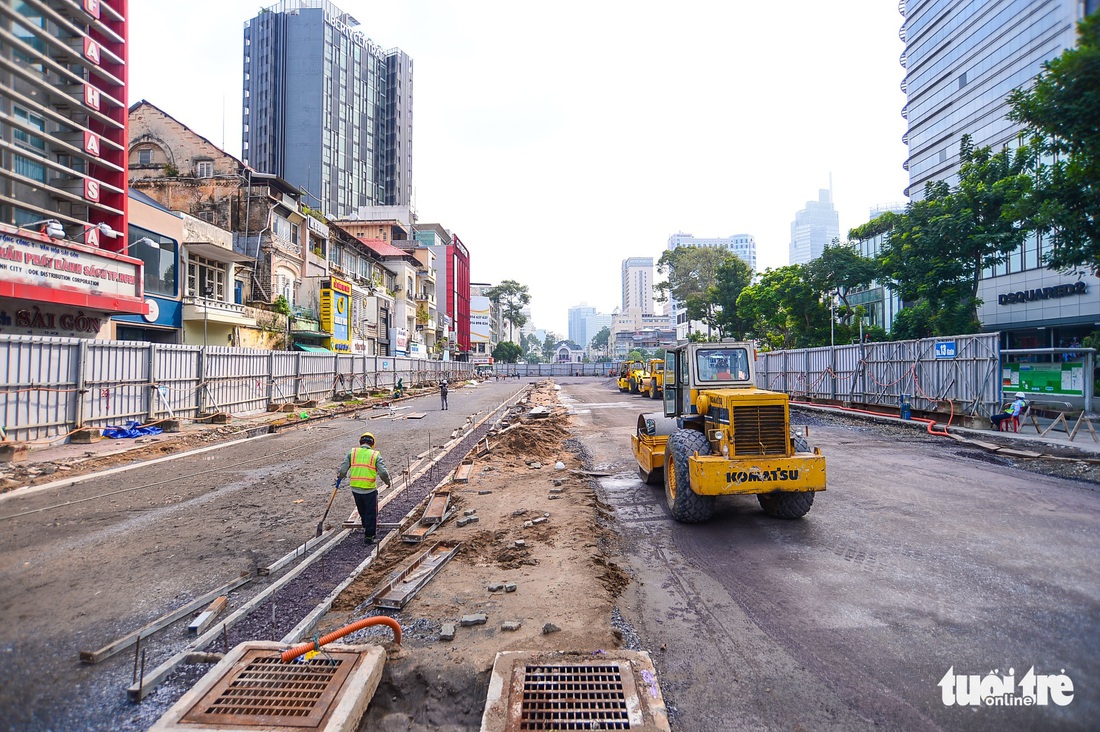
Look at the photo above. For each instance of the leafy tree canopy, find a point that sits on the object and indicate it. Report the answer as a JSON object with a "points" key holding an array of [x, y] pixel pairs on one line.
{"points": [[548, 344], [938, 248], [783, 310], [601, 339], [731, 277], [841, 269], [511, 297], [506, 352], [1060, 111], [692, 277]]}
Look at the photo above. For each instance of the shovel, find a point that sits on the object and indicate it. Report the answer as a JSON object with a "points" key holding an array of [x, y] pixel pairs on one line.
{"points": [[321, 523]]}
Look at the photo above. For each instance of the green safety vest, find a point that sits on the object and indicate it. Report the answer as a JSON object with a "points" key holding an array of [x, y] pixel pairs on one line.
{"points": [[363, 474]]}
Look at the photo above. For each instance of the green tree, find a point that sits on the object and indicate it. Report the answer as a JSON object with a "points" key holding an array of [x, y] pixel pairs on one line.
{"points": [[548, 344], [840, 269], [731, 277], [937, 249], [506, 352], [511, 297], [692, 275], [1060, 111], [783, 310], [601, 339]]}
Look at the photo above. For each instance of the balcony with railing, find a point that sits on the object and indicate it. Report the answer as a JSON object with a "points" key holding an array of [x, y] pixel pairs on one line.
{"points": [[217, 311]]}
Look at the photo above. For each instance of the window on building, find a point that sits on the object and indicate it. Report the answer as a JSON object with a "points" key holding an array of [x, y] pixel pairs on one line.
{"points": [[161, 258], [204, 168], [145, 156], [204, 273]]}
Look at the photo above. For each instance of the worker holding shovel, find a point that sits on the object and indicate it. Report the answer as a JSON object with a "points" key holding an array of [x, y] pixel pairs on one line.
{"points": [[364, 467]]}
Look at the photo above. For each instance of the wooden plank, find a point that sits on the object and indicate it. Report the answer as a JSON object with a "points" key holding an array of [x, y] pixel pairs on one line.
{"points": [[162, 622], [208, 616], [416, 415]]}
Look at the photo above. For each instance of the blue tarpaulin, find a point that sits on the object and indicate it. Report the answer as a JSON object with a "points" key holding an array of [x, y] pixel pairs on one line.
{"points": [[132, 429]]}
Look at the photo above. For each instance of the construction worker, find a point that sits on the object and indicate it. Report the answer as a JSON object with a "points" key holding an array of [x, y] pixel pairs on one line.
{"points": [[364, 467], [443, 393]]}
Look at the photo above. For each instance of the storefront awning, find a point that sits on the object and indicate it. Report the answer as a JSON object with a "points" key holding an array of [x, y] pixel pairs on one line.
{"points": [[311, 349]]}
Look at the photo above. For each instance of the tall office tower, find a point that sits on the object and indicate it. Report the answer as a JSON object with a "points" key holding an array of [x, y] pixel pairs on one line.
{"points": [[578, 331], [326, 108], [743, 245], [961, 60], [814, 228], [638, 284]]}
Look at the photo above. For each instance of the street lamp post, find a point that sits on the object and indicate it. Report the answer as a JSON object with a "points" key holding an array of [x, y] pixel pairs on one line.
{"points": [[832, 319]]}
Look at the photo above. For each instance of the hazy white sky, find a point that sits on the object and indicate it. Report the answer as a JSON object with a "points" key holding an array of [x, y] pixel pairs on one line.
{"points": [[558, 138]]}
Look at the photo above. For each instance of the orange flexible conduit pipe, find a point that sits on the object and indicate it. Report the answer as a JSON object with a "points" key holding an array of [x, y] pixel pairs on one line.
{"points": [[929, 422], [291, 653]]}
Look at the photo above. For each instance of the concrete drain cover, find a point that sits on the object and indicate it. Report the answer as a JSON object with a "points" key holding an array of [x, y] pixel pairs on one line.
{"points": [[251, 689], [557, 691]]}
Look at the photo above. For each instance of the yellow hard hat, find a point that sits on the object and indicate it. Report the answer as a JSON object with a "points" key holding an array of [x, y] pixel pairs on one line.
{"points": [[366, 438]]}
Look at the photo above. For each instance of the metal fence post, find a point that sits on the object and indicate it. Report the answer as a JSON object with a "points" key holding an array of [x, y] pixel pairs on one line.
{"points": [[151, 412], [298, 377], [271, 378], [201, 402], [81, 385]]}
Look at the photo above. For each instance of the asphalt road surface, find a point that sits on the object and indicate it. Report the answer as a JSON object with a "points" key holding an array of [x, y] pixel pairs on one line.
{"points": [[923, 557], [82, 566]]}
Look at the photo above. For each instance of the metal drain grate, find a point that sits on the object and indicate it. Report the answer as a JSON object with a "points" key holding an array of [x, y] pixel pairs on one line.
{"points": [[576, 697], [262, 690]]}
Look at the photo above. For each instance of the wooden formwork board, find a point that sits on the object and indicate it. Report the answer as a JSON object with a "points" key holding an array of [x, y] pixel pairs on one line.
{"points": [[403, 584]]}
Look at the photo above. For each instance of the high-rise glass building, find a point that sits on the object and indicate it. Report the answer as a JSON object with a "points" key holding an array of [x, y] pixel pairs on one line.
{"points": [[326, 108], [962, 59], [814, 228], [578, 330], [638, 284]]}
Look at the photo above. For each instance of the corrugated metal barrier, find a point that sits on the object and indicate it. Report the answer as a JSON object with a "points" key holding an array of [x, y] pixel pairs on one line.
{"points": [[52, 386]]}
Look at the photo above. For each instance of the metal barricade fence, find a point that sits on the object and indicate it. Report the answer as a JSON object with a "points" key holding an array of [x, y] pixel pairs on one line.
{"points": [[881, 373], [53, 386]]}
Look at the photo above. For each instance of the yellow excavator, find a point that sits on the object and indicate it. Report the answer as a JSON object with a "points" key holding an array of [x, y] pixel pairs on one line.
{"points": [[721, 435]]}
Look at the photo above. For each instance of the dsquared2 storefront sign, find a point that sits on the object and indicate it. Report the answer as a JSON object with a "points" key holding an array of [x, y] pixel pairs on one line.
{"points": [[1044, 293]]}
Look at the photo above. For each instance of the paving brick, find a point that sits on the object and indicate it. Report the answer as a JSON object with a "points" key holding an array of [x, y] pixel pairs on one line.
{"points": [[511, 625], [496, 587], [520, 543], [469, 512], [509, 586], [550, 628], [463, 521], [475, 619], [539, 520], [447, 632]]}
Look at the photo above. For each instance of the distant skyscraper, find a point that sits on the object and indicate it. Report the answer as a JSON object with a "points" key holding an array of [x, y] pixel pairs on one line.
{"points": [[814, 228], [577, 325], [638, 283], [743, 245], [326, 108]]}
